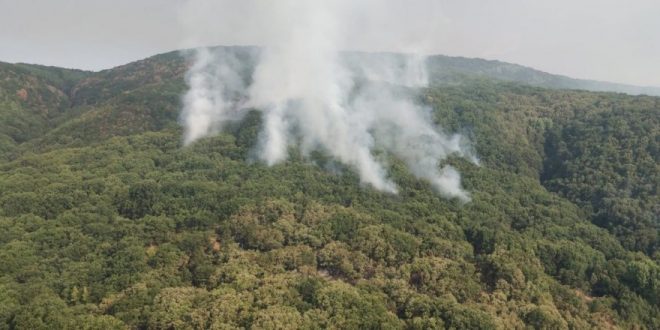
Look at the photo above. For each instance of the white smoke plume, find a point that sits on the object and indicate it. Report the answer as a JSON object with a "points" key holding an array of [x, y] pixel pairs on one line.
{"points": [[309, 92], [214, 85]]}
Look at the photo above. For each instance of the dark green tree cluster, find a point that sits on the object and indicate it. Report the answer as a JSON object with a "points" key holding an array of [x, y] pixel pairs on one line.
{"points": [[608, 163]]}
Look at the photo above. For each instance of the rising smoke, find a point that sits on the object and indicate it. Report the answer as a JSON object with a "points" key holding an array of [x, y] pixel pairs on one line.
{"points": [[310, 93]]}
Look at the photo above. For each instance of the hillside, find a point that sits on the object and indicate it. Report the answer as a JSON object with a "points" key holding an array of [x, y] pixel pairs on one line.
{"points": [[449, 69], [33, 99], [107, 222]]}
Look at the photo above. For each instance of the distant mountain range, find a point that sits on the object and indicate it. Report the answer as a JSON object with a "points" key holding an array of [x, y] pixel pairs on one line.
{"points": [[447, 69], [455, 70]]}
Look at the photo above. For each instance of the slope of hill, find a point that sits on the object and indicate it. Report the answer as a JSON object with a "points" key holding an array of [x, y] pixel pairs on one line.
{"points": [[450, 69], [33, 99], [106, 221]]}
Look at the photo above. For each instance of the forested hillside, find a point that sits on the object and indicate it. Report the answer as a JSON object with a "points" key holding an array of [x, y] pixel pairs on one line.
{"points": [[447, 68], [108, 222]]}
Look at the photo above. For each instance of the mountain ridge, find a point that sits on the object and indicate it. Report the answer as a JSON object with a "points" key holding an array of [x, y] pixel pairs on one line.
{"points": [[443, 69], [524, 74]]}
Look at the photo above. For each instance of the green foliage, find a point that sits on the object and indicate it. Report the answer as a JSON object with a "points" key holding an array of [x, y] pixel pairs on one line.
{"points": [[106, 222], [608, 162]]}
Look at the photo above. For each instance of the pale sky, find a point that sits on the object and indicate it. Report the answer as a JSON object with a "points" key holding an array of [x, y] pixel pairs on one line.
{"points": [[610, 40]]}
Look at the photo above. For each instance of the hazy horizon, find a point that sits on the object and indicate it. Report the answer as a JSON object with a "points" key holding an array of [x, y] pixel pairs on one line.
{"points": [[595, 40]]}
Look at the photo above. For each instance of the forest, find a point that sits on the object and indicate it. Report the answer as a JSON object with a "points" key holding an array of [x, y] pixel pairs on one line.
{"points": [[108, 222]]}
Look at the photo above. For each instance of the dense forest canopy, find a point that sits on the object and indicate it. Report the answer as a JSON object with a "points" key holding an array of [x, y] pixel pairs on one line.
{"points": [[108, 222]]}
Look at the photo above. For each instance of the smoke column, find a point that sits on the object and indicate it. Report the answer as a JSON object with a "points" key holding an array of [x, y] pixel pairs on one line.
{"points": [[216, 88], [309, 92]]}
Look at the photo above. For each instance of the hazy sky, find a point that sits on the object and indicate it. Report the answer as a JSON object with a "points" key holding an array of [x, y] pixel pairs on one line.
{"points": [[613, 40]]}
